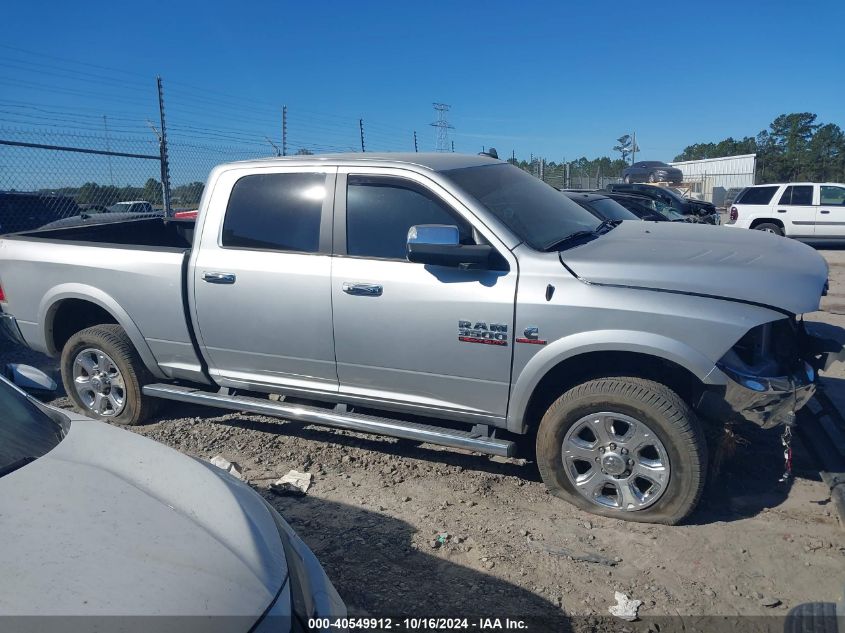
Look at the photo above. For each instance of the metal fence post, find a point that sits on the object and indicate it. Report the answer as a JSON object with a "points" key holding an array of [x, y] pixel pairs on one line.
{"points": [[165, 164]]}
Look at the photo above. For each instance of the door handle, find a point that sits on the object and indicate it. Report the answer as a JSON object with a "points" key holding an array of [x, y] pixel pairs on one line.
{"points": [[363, 290], [781, 210], [825, 212], [219, 278]]}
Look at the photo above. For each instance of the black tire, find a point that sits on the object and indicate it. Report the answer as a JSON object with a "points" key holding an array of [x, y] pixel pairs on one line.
{"points": [[662, 410], [112, 340], [770, 227], [813, 617]]}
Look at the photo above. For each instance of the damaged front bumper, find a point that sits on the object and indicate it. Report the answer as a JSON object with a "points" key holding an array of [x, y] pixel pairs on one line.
{"points": [[769, 401]]}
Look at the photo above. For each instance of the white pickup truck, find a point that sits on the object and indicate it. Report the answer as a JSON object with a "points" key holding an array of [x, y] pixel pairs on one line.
{"points": [[806, 211]]}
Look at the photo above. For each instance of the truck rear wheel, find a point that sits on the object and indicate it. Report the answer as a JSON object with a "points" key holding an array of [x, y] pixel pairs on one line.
{"points": [[103, 376], [624, 447]]}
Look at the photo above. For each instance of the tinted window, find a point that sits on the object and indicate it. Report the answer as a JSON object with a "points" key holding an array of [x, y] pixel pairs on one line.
{"points": [[609, 209], [833, 195], [279, 212], [756, 195], [379, 212], [534, 211], [797, 195], [26, 432]]}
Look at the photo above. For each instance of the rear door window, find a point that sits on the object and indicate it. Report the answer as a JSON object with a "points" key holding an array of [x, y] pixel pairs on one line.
{"points": [[797, 195], [276, 212], [756, 195]]}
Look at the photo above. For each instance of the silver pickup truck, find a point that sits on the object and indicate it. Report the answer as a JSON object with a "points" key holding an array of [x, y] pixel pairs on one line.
{"points": [[440, 298]]}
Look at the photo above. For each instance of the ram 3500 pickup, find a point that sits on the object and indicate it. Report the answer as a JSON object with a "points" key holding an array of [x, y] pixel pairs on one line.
{"points": [[435, 297]]}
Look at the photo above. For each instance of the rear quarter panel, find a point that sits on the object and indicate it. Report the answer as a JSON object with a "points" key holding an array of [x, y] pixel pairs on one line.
{"points": [[141, 288]]}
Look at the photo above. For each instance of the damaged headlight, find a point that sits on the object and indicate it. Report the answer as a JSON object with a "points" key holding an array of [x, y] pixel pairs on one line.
{"points": [[768, 350], [770, 376]]}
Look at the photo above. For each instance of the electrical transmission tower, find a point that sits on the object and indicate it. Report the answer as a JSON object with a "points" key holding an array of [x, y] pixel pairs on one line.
{"points": [[443, 126]]}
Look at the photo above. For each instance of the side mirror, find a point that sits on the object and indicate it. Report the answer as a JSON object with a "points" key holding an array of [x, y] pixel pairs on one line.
{"points": [[439, 245]]}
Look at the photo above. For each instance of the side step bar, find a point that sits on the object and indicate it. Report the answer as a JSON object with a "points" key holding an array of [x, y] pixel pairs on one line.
{"points": [[343, 420]]}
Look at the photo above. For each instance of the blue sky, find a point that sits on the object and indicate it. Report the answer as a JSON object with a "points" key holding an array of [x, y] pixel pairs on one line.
{"points": [[556, 79]]}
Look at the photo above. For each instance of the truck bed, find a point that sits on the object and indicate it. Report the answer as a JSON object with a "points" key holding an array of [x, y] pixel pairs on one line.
{"points": [[134, 270], [147, 232]]}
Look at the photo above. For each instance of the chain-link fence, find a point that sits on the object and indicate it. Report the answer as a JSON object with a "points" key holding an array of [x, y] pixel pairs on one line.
{"points": [[45, 177], [49, 178], [569, 175]]}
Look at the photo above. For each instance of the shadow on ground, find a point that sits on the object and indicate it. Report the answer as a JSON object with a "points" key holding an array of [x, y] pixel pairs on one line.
{"points": [[375, 568], [746, 484]]}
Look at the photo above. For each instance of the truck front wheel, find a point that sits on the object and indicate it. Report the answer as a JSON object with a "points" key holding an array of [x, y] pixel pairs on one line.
{"points": [[103, 375], [624, 447]]}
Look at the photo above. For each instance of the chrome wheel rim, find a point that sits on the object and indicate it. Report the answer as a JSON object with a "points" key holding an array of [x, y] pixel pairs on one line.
{"points": [[615, 461], [99, 383]]}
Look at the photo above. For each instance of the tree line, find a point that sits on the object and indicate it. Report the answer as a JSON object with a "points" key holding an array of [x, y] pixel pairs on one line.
{"points": [[187, 195], [794, 147]]}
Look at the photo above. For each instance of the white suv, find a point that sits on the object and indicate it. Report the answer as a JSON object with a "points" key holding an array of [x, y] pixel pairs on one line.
{"points": [[803, 210]]}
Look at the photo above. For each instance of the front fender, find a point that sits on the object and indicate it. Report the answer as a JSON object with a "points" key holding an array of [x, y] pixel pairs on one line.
{"points": [[568, 347], [50, 303]]}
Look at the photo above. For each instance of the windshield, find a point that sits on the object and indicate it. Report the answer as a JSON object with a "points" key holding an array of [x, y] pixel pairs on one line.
{"points": [[120, 207], [537, 213], [26, 432], [668, 211]]}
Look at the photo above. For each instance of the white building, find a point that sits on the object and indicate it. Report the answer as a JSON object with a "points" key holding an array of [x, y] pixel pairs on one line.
{"points": [[710, 178]]}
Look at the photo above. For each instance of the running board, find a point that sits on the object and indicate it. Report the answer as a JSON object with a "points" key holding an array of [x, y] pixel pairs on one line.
{"points": [[351, 421]]}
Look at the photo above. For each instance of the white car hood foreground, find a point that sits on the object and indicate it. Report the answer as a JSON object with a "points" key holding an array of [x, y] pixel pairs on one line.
{"points": [[111, 523], [744, 265]]}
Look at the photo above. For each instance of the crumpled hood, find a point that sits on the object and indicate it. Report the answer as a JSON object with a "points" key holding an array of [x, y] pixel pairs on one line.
{"points": [[736, 264], [701, 205], [111, 523]]}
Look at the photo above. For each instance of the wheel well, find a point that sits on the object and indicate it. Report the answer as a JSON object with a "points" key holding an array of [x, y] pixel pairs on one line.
{"points": [[579, 369], [72, 315], [760, 221]]}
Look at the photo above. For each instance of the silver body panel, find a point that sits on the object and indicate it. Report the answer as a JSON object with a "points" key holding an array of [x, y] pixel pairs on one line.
{"points": [[680, 292], [140, 288], [273, 326], [110, 523]]}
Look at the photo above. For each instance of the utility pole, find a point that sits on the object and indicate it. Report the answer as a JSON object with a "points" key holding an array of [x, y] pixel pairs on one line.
{"points": [[453, 147], [361, 128], [443, 126], [416, 148], [634, 149], [165, 164], [108, 149], [284, 130]]}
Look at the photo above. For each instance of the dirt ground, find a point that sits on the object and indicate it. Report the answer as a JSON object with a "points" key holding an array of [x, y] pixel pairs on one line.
{"points": [[377, 507]]}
